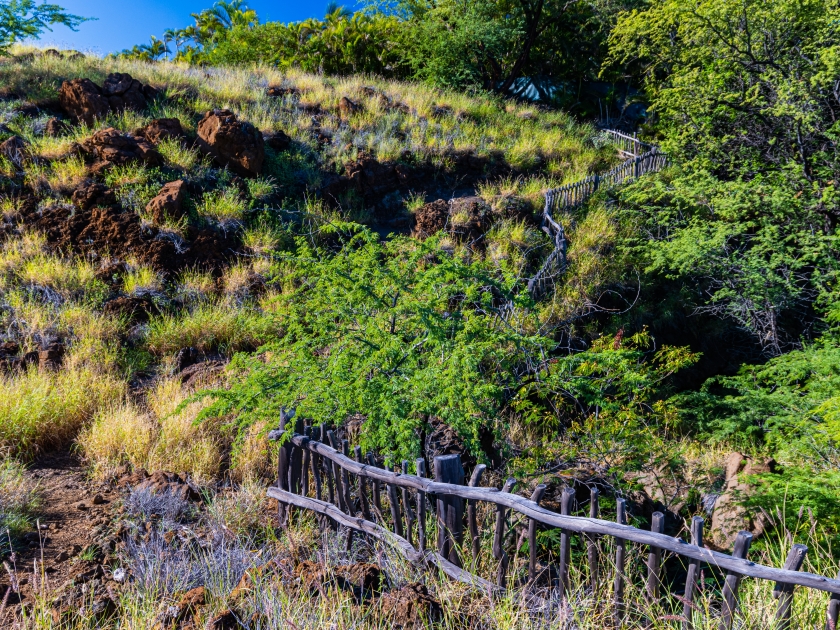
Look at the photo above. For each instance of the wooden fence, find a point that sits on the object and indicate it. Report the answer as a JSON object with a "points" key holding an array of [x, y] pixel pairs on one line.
{"points": [[641, 159], [324, 479]]}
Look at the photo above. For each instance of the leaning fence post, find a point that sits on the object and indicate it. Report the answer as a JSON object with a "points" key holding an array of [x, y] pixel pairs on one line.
{"points": [[499, 536], [296, 461], [592, 550], [833, 611], [654, 562], [283, 466], [620, 557], [339, 488], [396, 516], [304, 483], [363, 485], [377, 489], [345, 480], [567, 506], [475, 541], [315, 461], [409, 516], [692, 574], [328, 469], [450, 509], [784, 592], [730, 586], [536, 497], [421, 507]]}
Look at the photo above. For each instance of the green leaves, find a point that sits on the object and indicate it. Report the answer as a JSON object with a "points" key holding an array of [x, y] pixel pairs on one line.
{"points": [[23, 19]]}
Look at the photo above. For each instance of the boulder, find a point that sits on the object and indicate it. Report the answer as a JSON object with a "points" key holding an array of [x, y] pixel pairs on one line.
{"points": [[90, 194], [729, 515], [55, 127], [232, 143], [52, 52], [280, 91], [431, 218], [110, 147], [85, 101], [169, 202], [183, 612], [161, 129], [410, 607], [125, 92], [82, 99]]}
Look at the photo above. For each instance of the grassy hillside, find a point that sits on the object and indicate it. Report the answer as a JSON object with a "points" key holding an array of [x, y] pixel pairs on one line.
{"points": [[374, 275]]}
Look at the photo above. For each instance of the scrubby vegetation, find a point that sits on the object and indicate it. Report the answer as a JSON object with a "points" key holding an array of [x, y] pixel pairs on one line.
{"points": [[188, 247]]}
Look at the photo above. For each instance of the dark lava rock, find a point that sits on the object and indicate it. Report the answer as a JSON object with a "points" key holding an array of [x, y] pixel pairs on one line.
{"points": [[90, 194], [161, 129], [169, 202], [82, 99], [232, 143], [55, 127], [410, 607], [110, 147], [431, 218]]}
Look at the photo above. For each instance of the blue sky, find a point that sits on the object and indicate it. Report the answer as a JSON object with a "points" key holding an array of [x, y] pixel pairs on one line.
{"points": [[123, 23]]}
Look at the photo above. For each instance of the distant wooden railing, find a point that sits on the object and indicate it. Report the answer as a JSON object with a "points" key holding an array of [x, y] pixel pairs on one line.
{"points": [[324, 479], [641, 159]]}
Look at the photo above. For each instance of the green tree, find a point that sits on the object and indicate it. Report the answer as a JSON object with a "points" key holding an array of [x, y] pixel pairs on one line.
{"points": [[24, 19]]}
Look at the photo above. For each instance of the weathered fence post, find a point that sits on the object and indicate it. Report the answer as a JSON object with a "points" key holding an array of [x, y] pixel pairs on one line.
{"points": [[377, 490], [304, 484], [499, 536], [784, 592], [421, 507], [730, 586], [450, 509], [345, 481], [692, 574], [654, 562], [315, 463], [394, 501], [472, 523], [567, 506], [620, 557], [536, 497], [337, 474], [409, 516], [363, 485], [283, 456], [296, 461], [833, 611], [592, 550], [328, 469]]}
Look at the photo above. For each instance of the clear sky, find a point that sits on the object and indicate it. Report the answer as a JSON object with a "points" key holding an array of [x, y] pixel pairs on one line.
{"points": [[123, 23]]}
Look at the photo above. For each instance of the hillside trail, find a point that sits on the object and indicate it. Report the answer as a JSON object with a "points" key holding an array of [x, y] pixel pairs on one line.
{"points": [[73, 512]]}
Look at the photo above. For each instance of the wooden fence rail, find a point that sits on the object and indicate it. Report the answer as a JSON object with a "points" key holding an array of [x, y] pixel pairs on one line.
{"points": [[641, 159], [449, 496]]}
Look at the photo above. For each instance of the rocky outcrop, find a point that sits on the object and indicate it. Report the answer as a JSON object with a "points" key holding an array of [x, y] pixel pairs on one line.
{"points": [[109, 147], [51, 357], [125, 92], [431, 218], [82, 100], [169, 202], [168, 483], [85, 101], [161, 129], [278, 141], [730, 515], [232, 143]]}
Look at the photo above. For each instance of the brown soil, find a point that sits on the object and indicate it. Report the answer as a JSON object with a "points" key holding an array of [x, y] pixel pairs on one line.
{"points": [[74, 511]]}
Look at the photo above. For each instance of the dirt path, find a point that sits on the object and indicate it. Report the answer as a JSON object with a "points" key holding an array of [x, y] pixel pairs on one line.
{"points": [[73, 515]]}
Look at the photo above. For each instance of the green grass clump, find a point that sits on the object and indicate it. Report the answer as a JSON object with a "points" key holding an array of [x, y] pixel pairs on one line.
{"points": [[210, 326], [18, 500]]}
